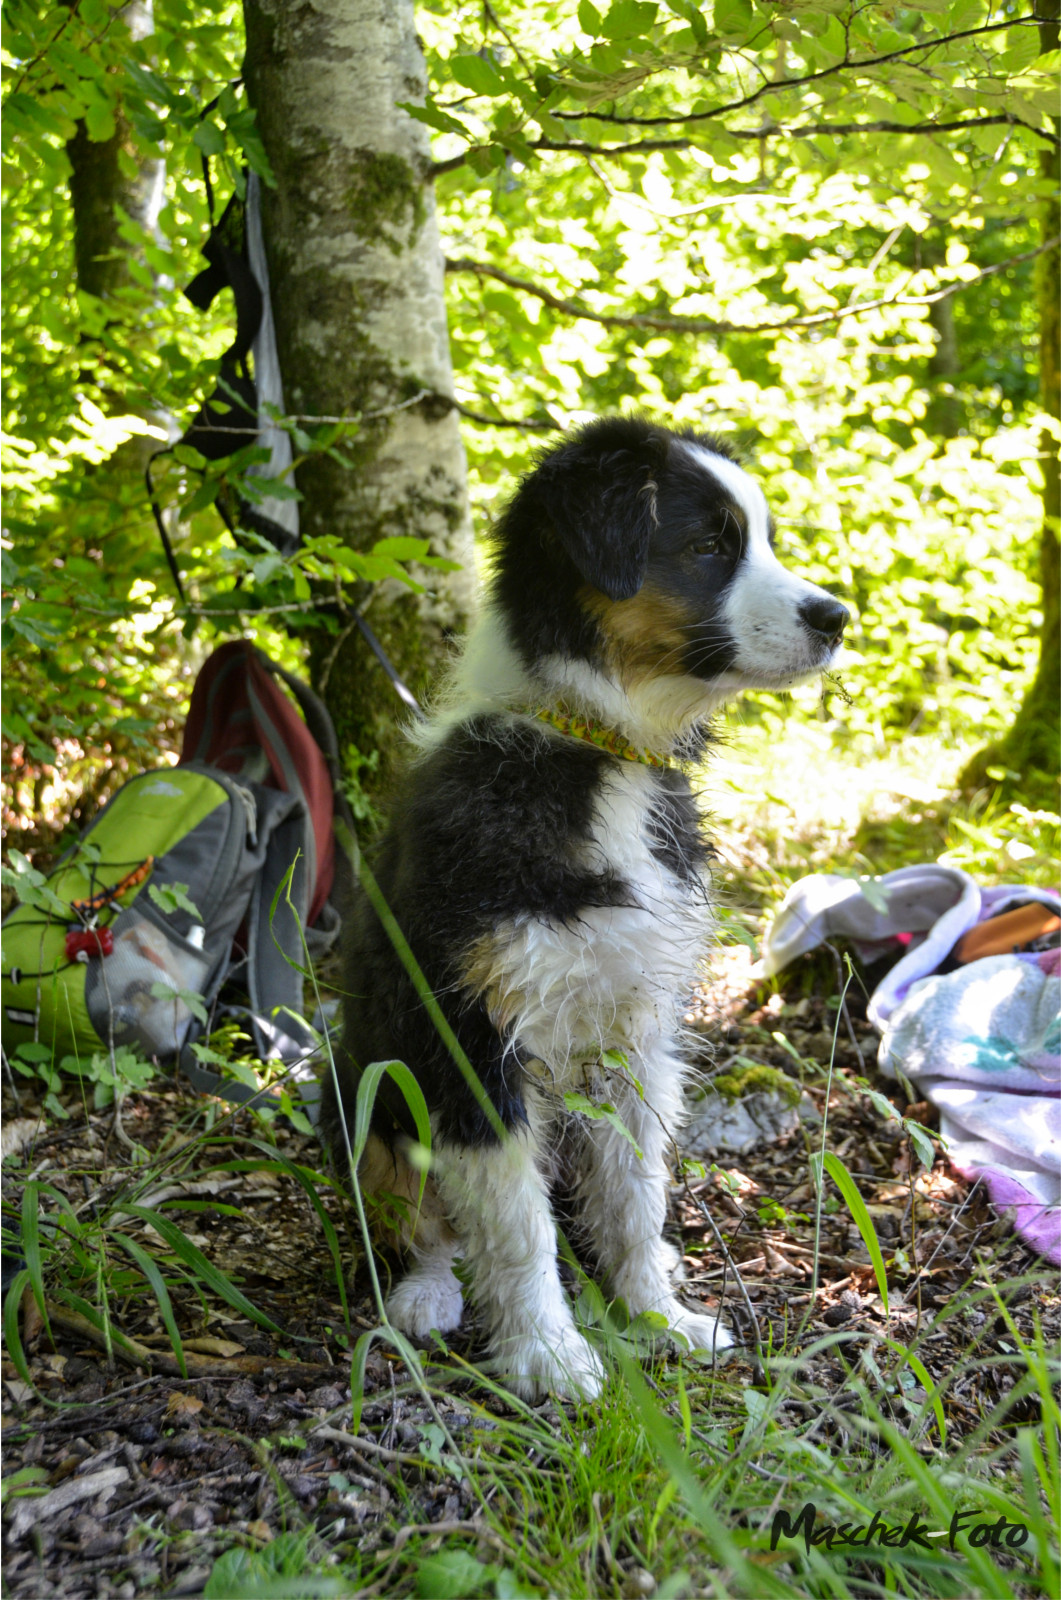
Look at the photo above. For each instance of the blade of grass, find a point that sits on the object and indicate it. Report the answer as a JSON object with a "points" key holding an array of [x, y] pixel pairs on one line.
{"points": [[816, 1163], [1038, 1484], [12, 1336], [307, 1178], [101, 1321], [358, 1361], [923, 1376], [427, 999], [193, 1258], [863, 1222], [31, 1247], [149, 1268]]}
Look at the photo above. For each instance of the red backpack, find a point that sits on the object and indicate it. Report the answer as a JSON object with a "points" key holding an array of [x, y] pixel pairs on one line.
{"points": [[242, 723]]}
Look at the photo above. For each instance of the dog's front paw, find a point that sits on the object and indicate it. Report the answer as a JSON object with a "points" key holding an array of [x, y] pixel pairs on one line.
{"points": [[426, 1300], [703, 1332], [567, 1366]]}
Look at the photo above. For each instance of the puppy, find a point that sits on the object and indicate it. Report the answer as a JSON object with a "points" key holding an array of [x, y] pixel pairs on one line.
{"points": [[546, 865]]}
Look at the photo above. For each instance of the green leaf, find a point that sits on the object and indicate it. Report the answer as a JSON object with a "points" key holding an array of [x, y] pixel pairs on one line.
{"points": [[209, 138], [589, 19], [433, 117], [921, 1138], [880, 1103], [34, 1051], [477, 73], [628, 19], [99, 123], [864, 1223], [452, 1574], [30, 885], [693, 16], [150, 84], [575, 1101], [169, 897], [401, 548], [733, 19], [25, 1482], [190, 998]]}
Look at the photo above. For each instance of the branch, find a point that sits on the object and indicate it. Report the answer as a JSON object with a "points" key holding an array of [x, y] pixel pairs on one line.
{"points": [[808, 130], [776, 86], [703, 325], [528, 424]]}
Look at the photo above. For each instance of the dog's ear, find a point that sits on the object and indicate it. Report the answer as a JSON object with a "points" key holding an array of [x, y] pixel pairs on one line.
{"points": [[600, 500]]}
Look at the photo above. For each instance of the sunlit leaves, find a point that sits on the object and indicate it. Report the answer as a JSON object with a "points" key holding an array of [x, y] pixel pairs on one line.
{"points": [[737, 221], [733, 19], [477, 73]]}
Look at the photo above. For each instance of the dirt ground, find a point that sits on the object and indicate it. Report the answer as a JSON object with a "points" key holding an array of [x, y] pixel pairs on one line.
{"points": [[124, 1478]]}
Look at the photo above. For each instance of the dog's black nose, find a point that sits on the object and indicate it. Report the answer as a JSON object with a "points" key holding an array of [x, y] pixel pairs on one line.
{"points": [[825, 616]]}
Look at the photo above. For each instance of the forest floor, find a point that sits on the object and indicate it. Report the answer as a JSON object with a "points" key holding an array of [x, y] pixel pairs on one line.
{"points": [[250, 1474]]}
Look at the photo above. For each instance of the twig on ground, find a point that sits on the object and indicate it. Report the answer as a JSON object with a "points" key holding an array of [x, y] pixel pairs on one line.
{"points": [[732, 1266], [136, 1354]]}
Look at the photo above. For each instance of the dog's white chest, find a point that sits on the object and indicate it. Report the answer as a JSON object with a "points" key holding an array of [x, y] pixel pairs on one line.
{"points": [[617, 976]]}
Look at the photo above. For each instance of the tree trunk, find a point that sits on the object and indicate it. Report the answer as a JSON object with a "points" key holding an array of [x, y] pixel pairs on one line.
{"points": [[1032, 744], [945, 414], [109, 177], [356, 275], [101, 185]]}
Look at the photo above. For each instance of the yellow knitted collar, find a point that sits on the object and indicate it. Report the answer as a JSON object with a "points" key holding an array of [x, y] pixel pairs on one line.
{"points": [[604, 738]]}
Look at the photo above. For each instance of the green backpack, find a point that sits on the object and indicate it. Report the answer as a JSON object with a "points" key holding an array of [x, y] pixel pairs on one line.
{"points": [[190, 877]]}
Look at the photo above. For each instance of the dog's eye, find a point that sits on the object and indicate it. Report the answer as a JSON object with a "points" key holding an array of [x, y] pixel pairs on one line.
{"points": [[707, 545]]}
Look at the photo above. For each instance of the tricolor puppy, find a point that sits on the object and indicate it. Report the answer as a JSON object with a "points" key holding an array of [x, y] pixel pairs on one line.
{"points": [[546, 864]]}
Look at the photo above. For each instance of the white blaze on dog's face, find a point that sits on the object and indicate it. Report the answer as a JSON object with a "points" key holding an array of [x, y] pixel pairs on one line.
{"points": [[781, 628]]}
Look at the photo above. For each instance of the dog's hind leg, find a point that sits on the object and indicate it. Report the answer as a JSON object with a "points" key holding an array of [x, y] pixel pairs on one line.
{"points": [[623, 1200], [497, 1200]]}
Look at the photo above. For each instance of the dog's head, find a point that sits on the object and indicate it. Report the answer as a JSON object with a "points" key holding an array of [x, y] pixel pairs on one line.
{"points": [[649, 554]]}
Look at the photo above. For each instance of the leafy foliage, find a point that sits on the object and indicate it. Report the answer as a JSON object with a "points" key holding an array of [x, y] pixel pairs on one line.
{"points": [[741, 217]]}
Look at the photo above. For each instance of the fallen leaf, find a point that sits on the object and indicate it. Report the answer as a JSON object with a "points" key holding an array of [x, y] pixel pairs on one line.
{"points": [[776, 1262], [181, 1405], [17, 1133], [210, 1346], [32, 1322]]}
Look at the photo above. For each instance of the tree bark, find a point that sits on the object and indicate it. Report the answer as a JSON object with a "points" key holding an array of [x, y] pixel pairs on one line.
{"points": [[109, 177], [102, 183], [1032, 743], [945, 414], [356, 274]]}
